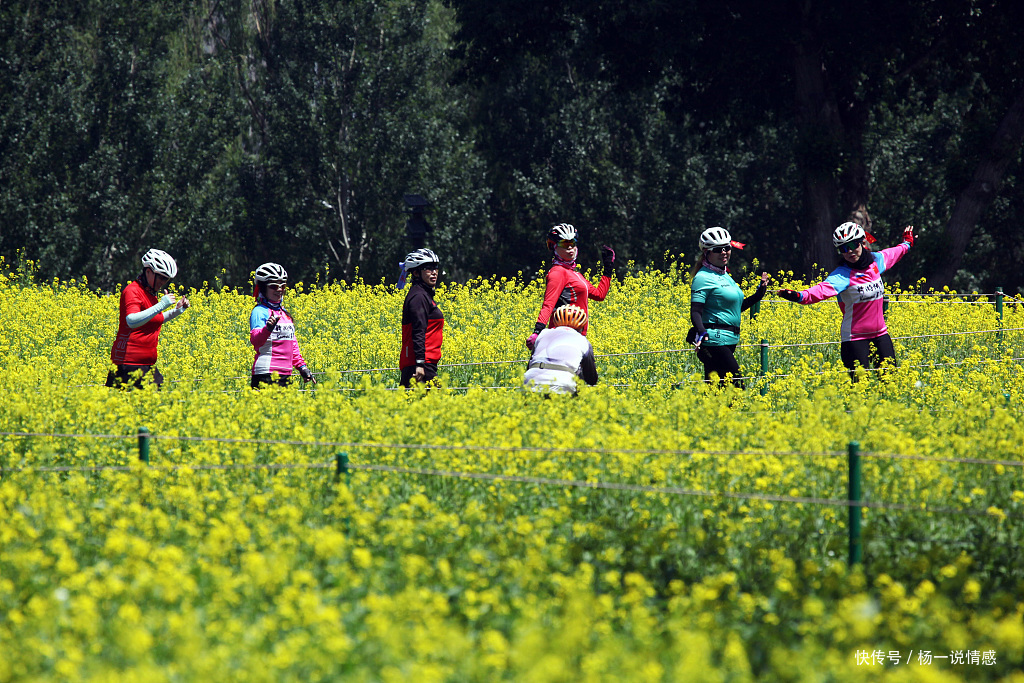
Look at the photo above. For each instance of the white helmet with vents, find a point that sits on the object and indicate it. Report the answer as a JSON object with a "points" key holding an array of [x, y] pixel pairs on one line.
{"points": [[557, 233], [715, 237], [271, 272], [420, 258], [846, 233], [160, 262]]}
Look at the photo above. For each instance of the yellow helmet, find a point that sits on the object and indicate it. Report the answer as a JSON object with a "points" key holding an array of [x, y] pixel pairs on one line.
{"points": [[570, 315]]}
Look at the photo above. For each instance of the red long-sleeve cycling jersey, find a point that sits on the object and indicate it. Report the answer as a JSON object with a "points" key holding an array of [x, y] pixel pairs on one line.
{"points": [[422, 327], [566, 286], [138, 346]]}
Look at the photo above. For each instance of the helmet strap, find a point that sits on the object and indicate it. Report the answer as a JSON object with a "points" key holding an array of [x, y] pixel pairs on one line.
{"points": [[144, 279]]}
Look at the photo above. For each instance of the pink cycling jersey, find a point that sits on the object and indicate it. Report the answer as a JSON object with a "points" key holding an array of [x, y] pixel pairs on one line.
{"points": [[860, 293], [277, 349]]}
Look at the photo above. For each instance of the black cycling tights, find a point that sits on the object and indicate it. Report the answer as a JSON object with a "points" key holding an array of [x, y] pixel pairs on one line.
{"points": [[867, 353], [133, 375], [720, 360]]}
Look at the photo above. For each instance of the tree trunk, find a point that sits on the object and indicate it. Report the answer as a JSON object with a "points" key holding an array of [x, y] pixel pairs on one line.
{"points": [[854, 182], [980, 192], [821, 135]]}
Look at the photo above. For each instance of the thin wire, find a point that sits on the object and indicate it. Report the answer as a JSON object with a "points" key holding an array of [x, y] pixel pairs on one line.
{"points": [[639, 488], [943, 303], [929, 296], [129, 468], [950, 334], [72, 436], [917, 336], [500, 449], [528, 449], [771, 346], [929, 458], [769, 377], [938, 541], [916, 365], [641, 353], [948, 295], [541, 481], [446, 447], [673, 490], [658, 351]]}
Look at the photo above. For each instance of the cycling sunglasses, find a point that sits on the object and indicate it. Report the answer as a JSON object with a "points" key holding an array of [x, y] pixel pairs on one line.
{"points": [[720, 250], [566, 244], [848, 247]]}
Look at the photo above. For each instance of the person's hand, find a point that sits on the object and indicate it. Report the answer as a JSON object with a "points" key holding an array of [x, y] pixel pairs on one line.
{"points": [[167, 300], [908, 235], [531, 341], [698, 339], [764, 279], [272, 321], [183, 303], [307, 374], [790, 295], [419, 374], [607, 258]]}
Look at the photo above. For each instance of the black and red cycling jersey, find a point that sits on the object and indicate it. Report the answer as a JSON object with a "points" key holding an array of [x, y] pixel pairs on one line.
{"points": [[566, 286], [422, 327]]}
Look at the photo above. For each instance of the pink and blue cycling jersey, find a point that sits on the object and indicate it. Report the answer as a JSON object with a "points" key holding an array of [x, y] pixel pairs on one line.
{"points": [[860, 293], [277, 350]]}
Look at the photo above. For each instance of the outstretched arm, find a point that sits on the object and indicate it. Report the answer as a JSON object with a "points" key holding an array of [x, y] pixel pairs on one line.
{"points": [[835, 284], [762, 288]]}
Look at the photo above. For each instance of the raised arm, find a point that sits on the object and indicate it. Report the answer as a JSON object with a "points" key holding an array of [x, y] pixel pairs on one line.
{"points": [[758, 294]]}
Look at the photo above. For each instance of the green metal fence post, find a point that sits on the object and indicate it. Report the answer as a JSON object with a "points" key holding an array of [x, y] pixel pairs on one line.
{"points": [[999, 312], [341, 460], [854, 497], [754, 310], [144, 445], [764, 366], [885, 304]]}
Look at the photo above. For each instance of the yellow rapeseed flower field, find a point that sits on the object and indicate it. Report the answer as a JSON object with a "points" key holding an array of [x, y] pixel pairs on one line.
{"points": [[649, 529]]}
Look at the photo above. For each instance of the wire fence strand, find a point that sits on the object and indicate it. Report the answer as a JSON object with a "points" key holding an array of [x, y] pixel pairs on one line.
{"points": [[556, 450], [525, 479], [674, 490]]}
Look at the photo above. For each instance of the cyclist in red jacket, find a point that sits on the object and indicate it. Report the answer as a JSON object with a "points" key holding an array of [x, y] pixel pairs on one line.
{"points": [[139, 320], [565, 285], [422, 320]]}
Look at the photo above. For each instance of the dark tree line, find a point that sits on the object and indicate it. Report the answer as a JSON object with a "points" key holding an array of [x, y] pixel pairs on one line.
{"points": [[231, 133]]}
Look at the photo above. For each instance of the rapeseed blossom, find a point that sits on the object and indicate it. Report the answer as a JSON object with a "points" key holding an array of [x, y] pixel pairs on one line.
{"points": [[650, 529]]}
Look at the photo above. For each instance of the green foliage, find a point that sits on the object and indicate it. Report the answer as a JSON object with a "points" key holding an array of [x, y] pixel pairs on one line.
{"points": [[234, 133], [219, 134]]}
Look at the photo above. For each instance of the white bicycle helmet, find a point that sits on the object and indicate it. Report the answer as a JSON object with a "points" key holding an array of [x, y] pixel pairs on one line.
{"points": [[562, 231], [160, 262], [271, 272], [715, 237], [420, 258], [846, 233]]}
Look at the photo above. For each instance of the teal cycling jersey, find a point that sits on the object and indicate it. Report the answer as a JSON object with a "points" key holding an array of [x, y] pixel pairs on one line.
{"points": [[723, 302]]}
